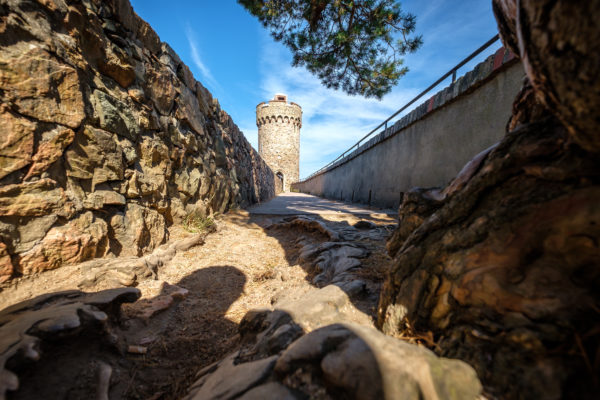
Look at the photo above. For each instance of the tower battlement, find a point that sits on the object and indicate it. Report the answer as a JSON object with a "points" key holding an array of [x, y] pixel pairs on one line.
{"points": [[279, 123], [278, 110]]}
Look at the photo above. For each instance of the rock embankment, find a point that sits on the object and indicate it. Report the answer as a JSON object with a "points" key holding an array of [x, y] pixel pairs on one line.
{"points": [[106, 137]]}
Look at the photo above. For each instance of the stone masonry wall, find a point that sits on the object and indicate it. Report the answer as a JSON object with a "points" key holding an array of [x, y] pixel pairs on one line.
{"points": [[106, 138], [279, 124]]}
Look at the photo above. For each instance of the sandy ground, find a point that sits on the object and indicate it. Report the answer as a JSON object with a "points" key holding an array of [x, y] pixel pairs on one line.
{"points": [[242, 266]]}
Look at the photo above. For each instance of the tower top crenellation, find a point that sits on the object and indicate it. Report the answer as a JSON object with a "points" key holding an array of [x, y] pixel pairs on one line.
{"points": [[278, 107]]}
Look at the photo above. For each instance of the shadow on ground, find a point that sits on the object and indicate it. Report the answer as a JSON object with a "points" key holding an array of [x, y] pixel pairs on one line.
{"points": [[177, 341], [181, 338], [371, 269]]}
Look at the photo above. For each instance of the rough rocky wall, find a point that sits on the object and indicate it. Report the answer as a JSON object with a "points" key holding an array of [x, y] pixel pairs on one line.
{"points": [[279, 124], [106, 138]]}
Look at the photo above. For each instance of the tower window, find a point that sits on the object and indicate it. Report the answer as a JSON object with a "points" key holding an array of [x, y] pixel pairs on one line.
{"points": [[281, 98]]}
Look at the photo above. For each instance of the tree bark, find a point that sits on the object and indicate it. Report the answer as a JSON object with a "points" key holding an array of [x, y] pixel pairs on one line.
{"points": [[558, 42], [502, 266], [505, 12], [505, 273]]}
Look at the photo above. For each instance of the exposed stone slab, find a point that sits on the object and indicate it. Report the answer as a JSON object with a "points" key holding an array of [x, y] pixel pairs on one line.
{"points": [[116, 64], [16, 144], [95, 155], [189, 110], [40, 86], [31, 231], [138, 230], [77, 241], [50, 149], [37, 198], [115, 115], [6, 264]]}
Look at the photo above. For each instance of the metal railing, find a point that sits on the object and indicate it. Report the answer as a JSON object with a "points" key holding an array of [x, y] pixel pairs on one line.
{"points": [[411, 102]]}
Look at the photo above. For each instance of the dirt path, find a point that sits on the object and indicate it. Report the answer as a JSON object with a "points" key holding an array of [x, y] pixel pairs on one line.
{"points": [[188, 317]]}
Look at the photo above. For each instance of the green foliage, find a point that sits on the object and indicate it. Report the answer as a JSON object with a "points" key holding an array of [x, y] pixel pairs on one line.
{"points": [[196, 222], [355, 45]]}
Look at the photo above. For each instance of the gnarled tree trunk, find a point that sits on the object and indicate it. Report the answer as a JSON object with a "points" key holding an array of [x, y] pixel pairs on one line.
{"points": [[502, 266], [558, 42]]}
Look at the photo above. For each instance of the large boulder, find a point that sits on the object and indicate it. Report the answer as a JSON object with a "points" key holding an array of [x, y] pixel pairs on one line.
{"points": [[340, 361], [316, 343]]}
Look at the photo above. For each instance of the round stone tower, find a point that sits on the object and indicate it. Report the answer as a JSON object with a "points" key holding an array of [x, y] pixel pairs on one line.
{"points": [[279, 124]]}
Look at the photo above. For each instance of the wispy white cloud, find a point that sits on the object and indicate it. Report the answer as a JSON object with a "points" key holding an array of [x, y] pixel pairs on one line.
{"points": [[207, 76], [429, 11]]}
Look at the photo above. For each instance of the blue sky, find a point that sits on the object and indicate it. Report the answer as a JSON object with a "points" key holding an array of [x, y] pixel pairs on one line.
{"points": [[236, 59]]}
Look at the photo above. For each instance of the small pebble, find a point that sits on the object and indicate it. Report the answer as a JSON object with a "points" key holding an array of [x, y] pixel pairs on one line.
{"points": [[137, 349], [147, 340]]}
